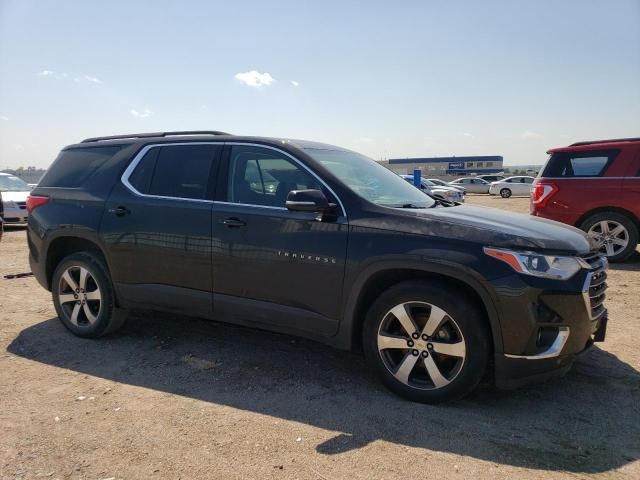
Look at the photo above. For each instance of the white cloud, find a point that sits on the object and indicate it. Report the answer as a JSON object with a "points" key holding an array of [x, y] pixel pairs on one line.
{"points": [[468, 135], [46, 73], [294, 83], [363, 140], [255, 79], [144, 114], [530, 134], [4, 118], [91, 79]]}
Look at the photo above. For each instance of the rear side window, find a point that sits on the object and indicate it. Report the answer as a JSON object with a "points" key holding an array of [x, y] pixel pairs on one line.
{"points": [[74, 166], [180, 171], [579, 164]]}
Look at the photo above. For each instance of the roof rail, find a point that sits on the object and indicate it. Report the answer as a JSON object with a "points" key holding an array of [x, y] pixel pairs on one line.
{"points": [[636, 139], [156, 134]]}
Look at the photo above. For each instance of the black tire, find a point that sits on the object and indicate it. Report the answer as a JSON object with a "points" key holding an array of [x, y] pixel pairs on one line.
{"points": [[107, 317], [467, 316], [505, 193], [630, 227]]}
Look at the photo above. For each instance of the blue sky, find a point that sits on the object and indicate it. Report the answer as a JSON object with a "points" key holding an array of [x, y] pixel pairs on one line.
{"points": [[387, 78]]}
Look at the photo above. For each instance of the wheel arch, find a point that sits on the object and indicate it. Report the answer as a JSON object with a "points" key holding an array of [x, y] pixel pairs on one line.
{"points": [[377, 278], [64, 245]]}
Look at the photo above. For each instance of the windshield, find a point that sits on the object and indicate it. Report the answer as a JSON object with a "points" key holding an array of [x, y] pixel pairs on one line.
{"points": [[370, 180], [9, 183]]}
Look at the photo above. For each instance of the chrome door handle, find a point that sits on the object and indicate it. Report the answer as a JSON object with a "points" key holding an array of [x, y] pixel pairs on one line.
{"points": [[120, 211], [233, 222]]}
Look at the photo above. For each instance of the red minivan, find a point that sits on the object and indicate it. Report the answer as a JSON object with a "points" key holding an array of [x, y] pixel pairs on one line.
{"points": [[594, 186]]}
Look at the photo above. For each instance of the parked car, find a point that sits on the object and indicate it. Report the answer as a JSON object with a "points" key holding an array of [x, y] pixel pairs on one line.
{"points": [[512, 186], [448, 193], [343, 251], [442, 183], [14, 199], [471, 184], [491, 178], [594, 186]]}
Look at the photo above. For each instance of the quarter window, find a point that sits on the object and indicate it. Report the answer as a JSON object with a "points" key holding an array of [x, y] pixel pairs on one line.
{"points": [[579, 164], [260, 176]]}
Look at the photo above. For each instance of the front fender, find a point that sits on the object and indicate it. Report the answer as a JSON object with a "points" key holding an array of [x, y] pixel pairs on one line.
{"points": [[350, 325]]}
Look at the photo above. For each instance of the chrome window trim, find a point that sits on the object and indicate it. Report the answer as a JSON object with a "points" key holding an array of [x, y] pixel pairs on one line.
{"points": [[268, 207], [344, 211], [136, 160], [134, 163]]}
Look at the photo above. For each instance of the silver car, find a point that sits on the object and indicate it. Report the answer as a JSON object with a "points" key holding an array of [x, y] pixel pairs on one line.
{"points": [[448, 193], [471, 184], [441, 183]]}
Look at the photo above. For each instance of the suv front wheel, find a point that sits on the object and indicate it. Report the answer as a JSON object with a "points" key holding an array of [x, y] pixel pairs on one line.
{"points": [[425, 342], [83, 296], [615, 234]]}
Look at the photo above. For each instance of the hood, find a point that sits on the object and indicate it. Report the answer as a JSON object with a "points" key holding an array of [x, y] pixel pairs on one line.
{"points": [[14, 196], [489, 227]]}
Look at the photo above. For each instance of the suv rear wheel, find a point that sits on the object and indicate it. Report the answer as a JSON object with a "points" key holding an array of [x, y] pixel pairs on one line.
{"points": [[426, 343], [83, 296], [615, 234]]}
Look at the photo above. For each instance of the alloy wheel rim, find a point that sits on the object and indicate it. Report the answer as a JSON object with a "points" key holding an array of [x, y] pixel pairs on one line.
{"points": [[421, 345], [79, 296], [611, 237]]}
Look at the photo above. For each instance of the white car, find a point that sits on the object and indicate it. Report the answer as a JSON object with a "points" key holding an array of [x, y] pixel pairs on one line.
{"points": [[471, 184], [14, 193], [448, 193], [512, 186]]}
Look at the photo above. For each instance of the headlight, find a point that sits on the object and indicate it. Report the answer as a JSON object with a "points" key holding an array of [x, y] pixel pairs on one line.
{"points": [[537, 264], [10, 204]]}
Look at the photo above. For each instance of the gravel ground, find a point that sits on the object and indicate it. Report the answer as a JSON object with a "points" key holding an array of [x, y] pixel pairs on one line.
{"points": [[175, 397]]}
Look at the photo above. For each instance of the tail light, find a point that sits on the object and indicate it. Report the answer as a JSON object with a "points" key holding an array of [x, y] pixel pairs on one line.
{"points": [[541, 193], [35, 201]]}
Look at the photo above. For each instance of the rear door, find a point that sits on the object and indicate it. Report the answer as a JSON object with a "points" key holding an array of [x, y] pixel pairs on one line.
{"points": [[157, 228], [630, 193]]}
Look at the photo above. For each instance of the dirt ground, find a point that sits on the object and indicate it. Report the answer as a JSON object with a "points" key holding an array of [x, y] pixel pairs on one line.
{"points": [[172, 397]]}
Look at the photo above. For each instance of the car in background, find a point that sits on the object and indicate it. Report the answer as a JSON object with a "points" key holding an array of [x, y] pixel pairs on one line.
{"points": [[594, 186], [448, 193], [471, 184], [491, 178], [14, 199], [441, 183], [520, 185]]}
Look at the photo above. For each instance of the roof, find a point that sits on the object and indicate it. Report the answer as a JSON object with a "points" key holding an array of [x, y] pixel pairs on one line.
{"points": [[477, 158], [200, 136]]}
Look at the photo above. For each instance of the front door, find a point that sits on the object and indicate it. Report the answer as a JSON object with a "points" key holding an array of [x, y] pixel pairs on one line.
{"points": [[273, 267], [157, 228]]}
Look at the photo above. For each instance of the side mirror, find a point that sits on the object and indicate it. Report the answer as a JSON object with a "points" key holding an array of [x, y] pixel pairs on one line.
{"points": [[307, 201]]}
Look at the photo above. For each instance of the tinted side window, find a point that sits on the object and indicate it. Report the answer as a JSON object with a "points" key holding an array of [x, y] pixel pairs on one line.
{"points": [[260, 176], [182, 171], [140, 178], [74, 166], [579, 164]]}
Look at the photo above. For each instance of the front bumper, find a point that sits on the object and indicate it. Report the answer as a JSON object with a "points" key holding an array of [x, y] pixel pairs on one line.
{"points": [[547, 323]]}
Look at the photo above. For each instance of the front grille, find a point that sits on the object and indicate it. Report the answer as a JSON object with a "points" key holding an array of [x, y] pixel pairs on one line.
{"points": [[598, 285]]}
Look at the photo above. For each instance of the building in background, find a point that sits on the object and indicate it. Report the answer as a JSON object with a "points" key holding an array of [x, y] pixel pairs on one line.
{"points": [[442, 166]]}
